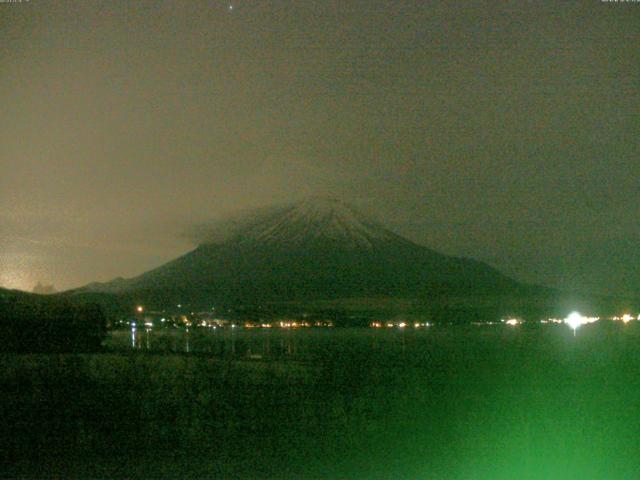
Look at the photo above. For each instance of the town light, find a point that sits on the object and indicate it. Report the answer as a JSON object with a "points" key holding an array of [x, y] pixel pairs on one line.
{"points": [[574, 320]]}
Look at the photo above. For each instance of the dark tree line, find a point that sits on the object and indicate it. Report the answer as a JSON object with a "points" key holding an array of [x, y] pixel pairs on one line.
{"points": [[30, 323]]}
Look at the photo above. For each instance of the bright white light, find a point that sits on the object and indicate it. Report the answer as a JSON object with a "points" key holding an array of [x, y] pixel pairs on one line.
{"points": [[139, 309], [627, 318], [512, 321], [402, 325], [574, 320]]}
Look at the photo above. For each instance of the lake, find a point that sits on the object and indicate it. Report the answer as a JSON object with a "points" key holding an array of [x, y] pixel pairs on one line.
{"points": [[464, 403], [265, 343]]}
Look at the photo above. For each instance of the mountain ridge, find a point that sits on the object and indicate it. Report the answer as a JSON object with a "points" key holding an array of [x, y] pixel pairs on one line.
{"points": [[314, 249]]}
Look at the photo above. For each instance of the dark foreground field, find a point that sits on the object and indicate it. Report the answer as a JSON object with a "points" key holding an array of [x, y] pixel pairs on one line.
{"points": [[466, 403]]}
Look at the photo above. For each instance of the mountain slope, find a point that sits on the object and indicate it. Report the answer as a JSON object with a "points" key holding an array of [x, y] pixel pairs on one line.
{"points": [[315, 249]]}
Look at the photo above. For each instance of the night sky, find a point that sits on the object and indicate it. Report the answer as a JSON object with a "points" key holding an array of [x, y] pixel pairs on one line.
{"points": [[507, 132]]}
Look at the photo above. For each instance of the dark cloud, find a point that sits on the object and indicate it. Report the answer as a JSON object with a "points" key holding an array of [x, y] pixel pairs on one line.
{"points": [[506, 132]]}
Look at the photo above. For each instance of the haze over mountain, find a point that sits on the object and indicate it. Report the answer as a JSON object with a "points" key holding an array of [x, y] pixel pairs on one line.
{"points": [[320, 248]]}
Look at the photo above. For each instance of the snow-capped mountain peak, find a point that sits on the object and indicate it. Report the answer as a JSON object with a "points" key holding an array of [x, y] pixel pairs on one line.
{"points": [[317, 219], [320, 248]]}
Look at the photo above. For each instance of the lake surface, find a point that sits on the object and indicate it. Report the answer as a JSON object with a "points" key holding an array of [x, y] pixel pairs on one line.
{"points": [[448, 403], [314, 343], [264, 343]]}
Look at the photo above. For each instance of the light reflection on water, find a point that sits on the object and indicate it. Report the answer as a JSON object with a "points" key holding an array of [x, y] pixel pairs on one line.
{"points": [[307, 343], [138, 338], [255, 344]]}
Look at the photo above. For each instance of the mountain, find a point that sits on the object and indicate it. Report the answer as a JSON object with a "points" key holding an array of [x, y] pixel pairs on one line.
{"points": [[318, 249]]}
